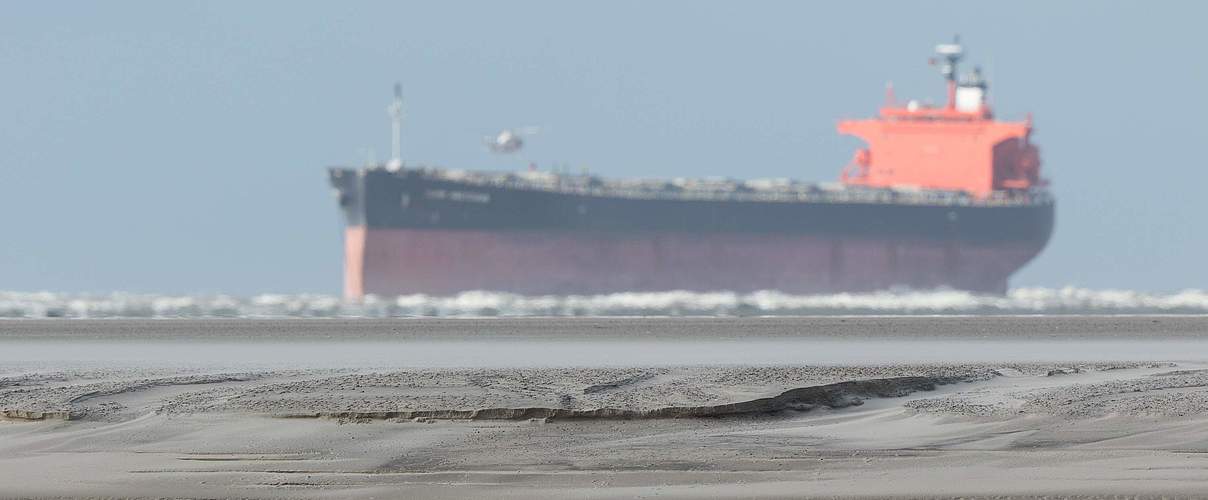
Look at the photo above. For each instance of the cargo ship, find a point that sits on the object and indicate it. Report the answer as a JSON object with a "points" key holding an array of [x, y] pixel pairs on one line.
{"points": [[941, 197]]}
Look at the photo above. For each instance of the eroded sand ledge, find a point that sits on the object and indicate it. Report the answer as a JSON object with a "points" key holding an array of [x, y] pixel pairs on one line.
{"points": [[833, 396], [1014, 429], [480, 394]]}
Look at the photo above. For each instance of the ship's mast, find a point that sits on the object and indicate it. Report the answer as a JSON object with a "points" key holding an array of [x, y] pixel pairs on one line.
{"points": [[395, 110], [950, 54]]}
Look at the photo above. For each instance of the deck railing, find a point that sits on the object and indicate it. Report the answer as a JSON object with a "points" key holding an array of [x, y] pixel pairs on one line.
{"points": [[730, 190]]}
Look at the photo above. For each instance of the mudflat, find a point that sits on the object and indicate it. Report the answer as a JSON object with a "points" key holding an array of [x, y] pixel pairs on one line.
{"points": [[1082, 407], [676, 328]]}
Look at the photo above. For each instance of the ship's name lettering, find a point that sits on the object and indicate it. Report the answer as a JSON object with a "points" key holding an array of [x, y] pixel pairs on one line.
{"points": [[462, 196]]}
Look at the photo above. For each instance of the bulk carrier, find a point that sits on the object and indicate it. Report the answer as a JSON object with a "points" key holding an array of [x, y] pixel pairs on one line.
{"points": [[940, 197]]}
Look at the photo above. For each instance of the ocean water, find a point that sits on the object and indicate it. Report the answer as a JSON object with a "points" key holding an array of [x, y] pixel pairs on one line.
{"points": [[674, 303]]}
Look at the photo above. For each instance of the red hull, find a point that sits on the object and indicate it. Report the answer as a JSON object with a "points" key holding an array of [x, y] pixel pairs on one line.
{"points": [[435, 261]]}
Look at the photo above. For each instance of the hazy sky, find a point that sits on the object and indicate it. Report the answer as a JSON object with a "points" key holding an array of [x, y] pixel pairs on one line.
{"points": [[180, 146]]}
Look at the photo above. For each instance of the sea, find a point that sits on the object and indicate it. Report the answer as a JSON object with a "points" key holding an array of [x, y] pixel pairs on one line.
{"points": [[1019, 301]]}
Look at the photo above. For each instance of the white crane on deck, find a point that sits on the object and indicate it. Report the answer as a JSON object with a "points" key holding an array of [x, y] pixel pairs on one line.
{"points": [[395, 110]]}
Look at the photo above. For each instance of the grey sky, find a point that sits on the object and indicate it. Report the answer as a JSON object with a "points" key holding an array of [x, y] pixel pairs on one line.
{"points": [[179, 146]]}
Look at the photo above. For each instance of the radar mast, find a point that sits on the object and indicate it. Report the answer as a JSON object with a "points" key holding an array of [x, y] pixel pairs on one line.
{"points": [[950, 54]]}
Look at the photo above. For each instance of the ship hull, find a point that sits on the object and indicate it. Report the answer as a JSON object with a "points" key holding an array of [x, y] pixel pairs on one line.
{"points": [[386, 261], [413, 232]]}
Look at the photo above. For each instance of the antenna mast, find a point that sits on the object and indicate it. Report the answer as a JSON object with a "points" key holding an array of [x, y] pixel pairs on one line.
{"points": [[951, 54], [395, 110]]}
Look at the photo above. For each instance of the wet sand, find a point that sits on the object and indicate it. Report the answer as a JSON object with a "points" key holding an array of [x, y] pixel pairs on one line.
{"points": [[840, 327], [118, 423]]}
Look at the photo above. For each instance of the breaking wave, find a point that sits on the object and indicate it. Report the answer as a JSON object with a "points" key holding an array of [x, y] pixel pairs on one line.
{"points": [[676, 303]]}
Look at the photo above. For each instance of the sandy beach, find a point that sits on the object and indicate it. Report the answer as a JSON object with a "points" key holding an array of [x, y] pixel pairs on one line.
{"points": [[1109, 407]]}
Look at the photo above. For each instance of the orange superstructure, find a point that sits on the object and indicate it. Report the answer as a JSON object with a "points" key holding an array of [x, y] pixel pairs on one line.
{"points": [[959, 147]]}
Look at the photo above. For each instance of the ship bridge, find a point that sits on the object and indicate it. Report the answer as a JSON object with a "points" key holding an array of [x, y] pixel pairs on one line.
{"points": [[958, 147]]}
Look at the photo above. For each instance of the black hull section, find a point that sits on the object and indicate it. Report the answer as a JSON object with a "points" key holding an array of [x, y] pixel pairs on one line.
{"points": [[376, 198]]}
